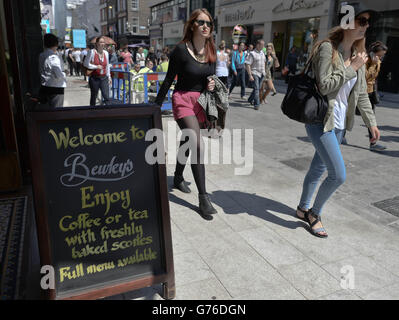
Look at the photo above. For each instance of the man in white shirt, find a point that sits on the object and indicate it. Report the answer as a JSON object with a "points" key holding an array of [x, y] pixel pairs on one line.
{"points": [[140, 57], [255, 64], [52, 77]]}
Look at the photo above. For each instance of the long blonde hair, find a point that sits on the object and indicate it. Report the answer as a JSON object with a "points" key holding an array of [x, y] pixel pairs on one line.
{"points": [[270, 44], [335, 37]]}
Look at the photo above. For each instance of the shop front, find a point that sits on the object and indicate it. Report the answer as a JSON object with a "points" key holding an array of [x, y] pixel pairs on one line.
{"points": [[386, 29], [285, 23], [156, 37], [173, 33]]}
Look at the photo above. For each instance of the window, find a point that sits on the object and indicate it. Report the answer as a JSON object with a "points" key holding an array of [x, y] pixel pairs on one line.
{"points": [[122, 5], [135, 4], [167, 12], [135, 25]]}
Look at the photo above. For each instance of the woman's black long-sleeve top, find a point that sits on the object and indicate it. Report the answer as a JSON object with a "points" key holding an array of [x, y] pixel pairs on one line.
{"points": [[191, 74]]}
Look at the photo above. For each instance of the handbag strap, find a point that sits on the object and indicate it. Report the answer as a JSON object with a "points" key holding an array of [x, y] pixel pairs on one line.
{"points": [[308, 65]]}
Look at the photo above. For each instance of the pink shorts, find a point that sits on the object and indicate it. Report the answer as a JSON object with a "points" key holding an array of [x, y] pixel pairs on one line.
{"points": [[185, 104]]}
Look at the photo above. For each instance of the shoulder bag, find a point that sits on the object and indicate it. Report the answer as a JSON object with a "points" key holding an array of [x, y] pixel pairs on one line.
{"points": [[303, 101]]}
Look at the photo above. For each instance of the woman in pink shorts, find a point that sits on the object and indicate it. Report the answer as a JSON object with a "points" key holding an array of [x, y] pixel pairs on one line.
{"points": [[193, 60]]}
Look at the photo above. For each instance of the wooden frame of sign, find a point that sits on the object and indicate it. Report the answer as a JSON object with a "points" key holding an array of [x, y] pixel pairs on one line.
{"points": [[102, 209]]}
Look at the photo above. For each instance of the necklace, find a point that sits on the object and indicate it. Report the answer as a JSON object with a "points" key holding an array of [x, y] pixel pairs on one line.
{"points": [[199, 57]]}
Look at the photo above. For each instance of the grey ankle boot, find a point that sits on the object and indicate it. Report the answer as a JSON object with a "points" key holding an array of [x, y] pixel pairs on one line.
{"points": [[205, 205]]}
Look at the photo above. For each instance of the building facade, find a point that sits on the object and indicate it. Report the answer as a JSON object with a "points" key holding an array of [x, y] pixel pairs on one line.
{"points": [[167, 22], [286, 23], [86, 16], [127, 20], [168, 19]]}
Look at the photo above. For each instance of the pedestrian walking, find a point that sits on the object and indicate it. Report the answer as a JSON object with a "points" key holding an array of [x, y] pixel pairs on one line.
{"points": [[153, 57], [338, 64], [377, 51], [255, 64], [71, 61], [127, 56], [82, 59], [290, 63], [97, 60], [166, 51], [271, 63], [193, 60], [76, 56], [164, 65], [222, 69], [52, 77], [113, 58], [238, 68]]}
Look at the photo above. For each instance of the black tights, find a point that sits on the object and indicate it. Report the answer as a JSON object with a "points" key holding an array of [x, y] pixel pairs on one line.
{"points": [[194, 136]]}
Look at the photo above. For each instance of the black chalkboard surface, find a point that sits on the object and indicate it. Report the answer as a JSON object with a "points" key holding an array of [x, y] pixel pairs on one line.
{"points": [[102, 208]]}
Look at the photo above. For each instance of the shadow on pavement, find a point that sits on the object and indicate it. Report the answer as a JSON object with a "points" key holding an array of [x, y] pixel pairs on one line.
{"points": [[242, 104], [393, 153], [386, 128], [257, 206], [304, 139], [389, 153], [389, 138]]}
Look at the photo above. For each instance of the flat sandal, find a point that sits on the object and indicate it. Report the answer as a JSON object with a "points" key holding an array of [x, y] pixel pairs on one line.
{"points": [[303, 211], [315, 232]]}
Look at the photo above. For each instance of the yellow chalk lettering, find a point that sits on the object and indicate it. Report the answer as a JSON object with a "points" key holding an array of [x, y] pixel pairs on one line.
{"points": [[121, 137], [87, 142], [98, 138], [62, 139], [86, 196]]}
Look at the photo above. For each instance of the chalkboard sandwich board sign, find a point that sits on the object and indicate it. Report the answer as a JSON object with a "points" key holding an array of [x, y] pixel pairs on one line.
{"points": [[102, 208]]}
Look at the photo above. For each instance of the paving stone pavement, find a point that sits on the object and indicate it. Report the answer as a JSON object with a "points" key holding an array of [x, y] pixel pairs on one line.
{"points": [[255, 248]]}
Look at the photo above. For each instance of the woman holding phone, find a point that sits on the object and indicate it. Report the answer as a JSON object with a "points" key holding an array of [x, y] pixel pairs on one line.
{"points": [[338, 65]]}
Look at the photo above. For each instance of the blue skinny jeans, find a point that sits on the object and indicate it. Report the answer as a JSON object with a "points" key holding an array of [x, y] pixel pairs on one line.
{"points": [[327, 156]]}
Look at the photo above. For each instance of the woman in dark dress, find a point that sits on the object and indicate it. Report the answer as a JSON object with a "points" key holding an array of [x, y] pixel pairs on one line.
{"points": [[193, 60]]}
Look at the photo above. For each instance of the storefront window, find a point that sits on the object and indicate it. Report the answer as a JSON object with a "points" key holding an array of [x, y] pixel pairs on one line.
{"points": [[302, 34], [386, 30], [169, 12], [252, 34]]}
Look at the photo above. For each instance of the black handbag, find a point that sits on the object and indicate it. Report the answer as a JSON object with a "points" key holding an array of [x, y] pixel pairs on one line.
{"points": [[374, 97], [303, 101]]}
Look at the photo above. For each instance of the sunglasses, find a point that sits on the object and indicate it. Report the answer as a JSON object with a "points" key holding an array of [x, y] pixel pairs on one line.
{"points": [[363, 21], [202, 22]]}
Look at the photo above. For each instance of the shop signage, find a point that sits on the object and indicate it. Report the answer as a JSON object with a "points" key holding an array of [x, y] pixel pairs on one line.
{"points": [[79, 38], [294, 5], [102, 210], [240, 15], [239, 34]]}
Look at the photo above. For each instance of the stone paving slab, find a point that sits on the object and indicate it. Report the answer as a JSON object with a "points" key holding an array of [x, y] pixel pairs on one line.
{"points": [[368, 275], [310, 279]]}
